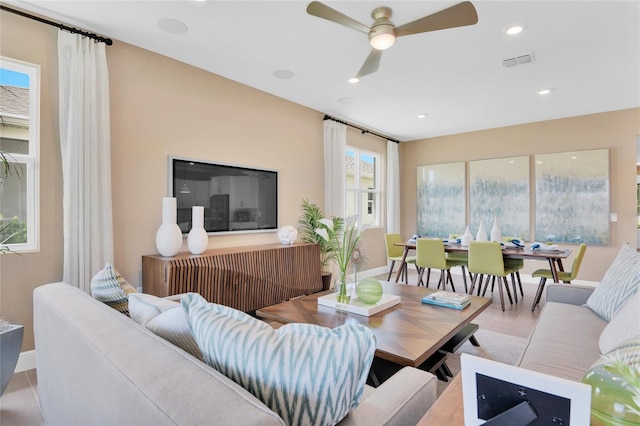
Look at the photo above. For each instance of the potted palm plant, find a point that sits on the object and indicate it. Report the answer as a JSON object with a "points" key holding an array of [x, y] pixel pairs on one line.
{"points": [[308, 222]]}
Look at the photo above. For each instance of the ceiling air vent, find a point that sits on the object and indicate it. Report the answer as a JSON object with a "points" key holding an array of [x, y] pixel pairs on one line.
{"points": [[518, 60]]}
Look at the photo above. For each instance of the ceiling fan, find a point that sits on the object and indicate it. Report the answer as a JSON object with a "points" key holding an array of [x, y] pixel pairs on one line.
{"points": [[383, 33]]}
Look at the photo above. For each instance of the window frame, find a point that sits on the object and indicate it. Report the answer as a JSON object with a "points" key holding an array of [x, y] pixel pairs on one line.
{"points": [[31, 160], [362, 203]]}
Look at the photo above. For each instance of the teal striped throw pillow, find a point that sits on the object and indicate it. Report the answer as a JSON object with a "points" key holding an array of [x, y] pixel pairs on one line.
{"points": [[309, 375], [619, 284], [109, 287]]}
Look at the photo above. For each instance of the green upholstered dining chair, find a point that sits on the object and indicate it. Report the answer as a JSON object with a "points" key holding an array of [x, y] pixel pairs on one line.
{"points": [[516, 264], [394, 254], [430, 254], [485, 259], [565, 277]]}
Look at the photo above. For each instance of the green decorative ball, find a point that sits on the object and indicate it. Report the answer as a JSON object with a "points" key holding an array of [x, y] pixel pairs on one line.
{"points": [[369, 291]]}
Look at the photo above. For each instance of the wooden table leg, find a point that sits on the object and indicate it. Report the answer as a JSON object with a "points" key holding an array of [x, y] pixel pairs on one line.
{"points": [[402, 263]]}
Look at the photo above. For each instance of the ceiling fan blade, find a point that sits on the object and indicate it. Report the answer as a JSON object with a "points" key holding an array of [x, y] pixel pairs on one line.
{"points": [[318, 9], [371, 64], [459, 15]]}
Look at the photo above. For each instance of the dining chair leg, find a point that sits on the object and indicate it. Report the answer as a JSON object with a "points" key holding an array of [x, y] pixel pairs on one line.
{"points": [[473, 283], [520, 283], [513, 284], [464, 279], [506, 287], [442, 281], [420, 273], [393, 262], [450, 280], [428, 277], [501, 297], [486, 285], [536, 300]]}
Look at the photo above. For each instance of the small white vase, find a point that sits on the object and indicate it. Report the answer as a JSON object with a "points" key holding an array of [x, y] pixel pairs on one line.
{"points": [[169, 235], [496, 234], [466, 237], [197, 240], [287, 235], [482, 233]]}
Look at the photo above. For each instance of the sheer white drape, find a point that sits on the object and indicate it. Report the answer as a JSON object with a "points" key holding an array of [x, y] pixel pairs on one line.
{"points": [[335, 142], [393, 188], [86, 157]]}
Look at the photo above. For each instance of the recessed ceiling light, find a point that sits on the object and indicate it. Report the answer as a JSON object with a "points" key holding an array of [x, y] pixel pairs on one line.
{"points": [[354, 80], [574, 157], [514, 29], [345, 100], [422, 115], [172, 26], [283, 74], [544, 92]]}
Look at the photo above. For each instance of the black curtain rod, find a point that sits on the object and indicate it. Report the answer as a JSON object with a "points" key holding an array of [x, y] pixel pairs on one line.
{"points": [[328, 117], [93, 36]]}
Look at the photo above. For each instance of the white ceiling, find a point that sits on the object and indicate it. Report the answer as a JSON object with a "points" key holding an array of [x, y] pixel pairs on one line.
{"points": [[587, 52]]}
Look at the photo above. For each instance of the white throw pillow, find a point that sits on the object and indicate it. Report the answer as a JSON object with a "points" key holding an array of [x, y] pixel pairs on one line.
{"points": [[623, 326], [620, 282], [309, 375], [164, 318]]}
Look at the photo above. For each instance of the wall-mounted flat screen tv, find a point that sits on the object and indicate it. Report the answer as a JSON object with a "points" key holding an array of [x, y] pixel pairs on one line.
{"points": [[235, 198]]}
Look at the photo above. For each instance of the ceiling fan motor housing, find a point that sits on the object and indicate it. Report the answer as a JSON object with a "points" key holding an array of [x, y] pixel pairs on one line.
{"points": [[383, 32]]}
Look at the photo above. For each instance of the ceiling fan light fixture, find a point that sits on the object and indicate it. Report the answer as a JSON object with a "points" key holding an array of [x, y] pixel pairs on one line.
{"points": [[354, 80], [382, 36]]}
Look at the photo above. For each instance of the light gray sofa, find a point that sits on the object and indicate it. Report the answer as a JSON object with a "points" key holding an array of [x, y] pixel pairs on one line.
{"points": [[97, 366], [564, 342]]}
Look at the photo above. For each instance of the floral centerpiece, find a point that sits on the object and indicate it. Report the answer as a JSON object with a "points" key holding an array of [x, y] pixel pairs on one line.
{"points": [[342, 237]]}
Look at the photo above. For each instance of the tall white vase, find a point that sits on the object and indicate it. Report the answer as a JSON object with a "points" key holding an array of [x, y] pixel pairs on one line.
{"points": [[466, 237], [482, 233], [496, 234], [169, 235], [197, 240]]}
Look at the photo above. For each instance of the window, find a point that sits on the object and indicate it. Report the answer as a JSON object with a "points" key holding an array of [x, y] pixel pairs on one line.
{"points": [[362, 186], [19, 155]]}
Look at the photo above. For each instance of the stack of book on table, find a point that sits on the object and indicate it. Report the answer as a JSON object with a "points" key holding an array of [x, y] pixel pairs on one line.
{"points": [[448, 299]]}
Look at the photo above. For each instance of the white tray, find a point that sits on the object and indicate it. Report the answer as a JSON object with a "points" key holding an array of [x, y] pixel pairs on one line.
{"points": [[356, 306]]}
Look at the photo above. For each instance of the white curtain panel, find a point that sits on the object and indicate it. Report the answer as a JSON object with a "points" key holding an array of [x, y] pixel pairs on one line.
{"points": [[335, 142], [86, 158], [393, 188]]}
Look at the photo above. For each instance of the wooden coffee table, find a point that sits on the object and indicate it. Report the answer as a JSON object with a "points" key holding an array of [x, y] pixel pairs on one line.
{"points": [[406, 334]]}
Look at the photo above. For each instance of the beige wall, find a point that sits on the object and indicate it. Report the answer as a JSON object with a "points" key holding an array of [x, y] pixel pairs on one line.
{"points": [[614, 130]]}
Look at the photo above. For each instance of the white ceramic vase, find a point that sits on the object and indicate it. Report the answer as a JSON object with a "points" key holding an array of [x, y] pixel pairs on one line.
{"points": [[466, 237], [169, 235], [482, 233], [496, 234], [197, 240]]}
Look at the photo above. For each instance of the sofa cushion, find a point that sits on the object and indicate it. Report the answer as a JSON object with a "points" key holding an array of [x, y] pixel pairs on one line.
{"points": [[623, 326], [620, 282], [109, 287], [164, 318], [306, 373], [564, 342]]}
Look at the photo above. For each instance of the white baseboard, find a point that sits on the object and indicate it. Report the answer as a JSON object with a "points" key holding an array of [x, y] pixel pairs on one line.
{"points": [[26, 361]]}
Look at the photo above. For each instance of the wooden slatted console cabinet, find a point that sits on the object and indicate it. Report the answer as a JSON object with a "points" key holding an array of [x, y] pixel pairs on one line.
{"points": [[245, 278]]}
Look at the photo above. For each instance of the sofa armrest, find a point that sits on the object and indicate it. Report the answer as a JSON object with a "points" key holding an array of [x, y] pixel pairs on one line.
{"points": [[402, 400], [568, 293]]}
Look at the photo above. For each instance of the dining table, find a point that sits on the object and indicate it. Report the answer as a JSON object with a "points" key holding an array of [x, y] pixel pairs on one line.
{"points": [[553, 257]]}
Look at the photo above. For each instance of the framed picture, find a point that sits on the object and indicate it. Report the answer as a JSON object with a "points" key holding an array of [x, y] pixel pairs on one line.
{"points": [[499, 189], [506, 394], [441, 200], [572, 197]]}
